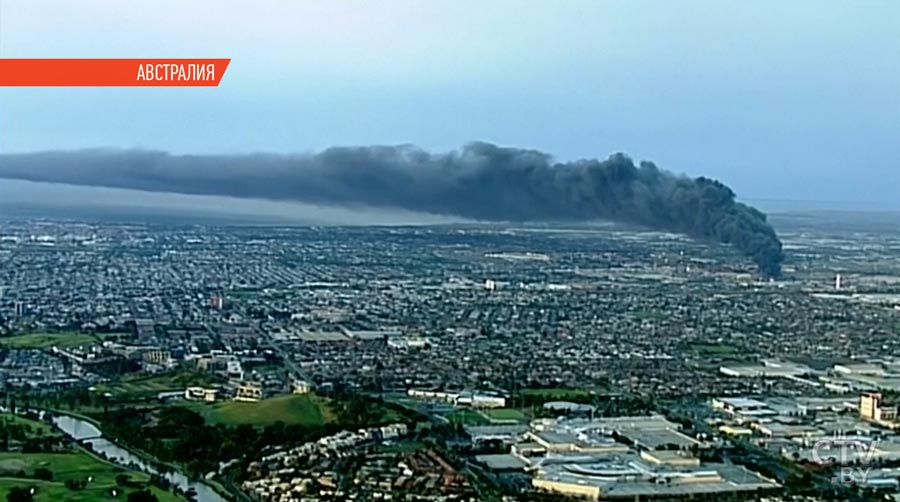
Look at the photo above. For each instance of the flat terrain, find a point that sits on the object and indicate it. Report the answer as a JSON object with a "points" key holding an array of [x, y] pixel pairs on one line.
{"points": [[505, 414], [468, 417], [70, 466], [306, 409], [48, 340], [35, 427]]}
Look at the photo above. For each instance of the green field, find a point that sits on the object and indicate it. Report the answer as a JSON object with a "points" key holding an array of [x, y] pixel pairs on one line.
{"points": [[65, 339], [69, 466], [305, 409], [149, 386], [35, 427], [505, 414], [467, 417]]}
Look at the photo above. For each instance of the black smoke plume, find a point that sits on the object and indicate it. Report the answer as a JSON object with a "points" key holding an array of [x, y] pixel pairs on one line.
{"points": [[480, 181]]}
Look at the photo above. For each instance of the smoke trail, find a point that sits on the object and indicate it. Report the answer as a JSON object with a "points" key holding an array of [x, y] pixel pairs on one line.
{"points": [[480, 181]]}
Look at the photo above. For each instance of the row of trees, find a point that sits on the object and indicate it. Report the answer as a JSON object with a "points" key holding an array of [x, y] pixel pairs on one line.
{"points": [[16, 436]]}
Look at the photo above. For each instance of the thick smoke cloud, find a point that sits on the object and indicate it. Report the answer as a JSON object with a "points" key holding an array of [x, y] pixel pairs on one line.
{"points": [[480, 181]]}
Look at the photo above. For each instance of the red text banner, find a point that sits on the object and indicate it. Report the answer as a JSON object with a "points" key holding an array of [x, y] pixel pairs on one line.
{"points": [[112, 72]]}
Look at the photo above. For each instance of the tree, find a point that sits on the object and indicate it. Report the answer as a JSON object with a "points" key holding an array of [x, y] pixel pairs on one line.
{"points": [[43, 473], [142, 496], [19, 494]]}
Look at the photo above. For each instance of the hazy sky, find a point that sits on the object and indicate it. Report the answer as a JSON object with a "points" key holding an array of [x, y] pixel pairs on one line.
{"points": [[779, 99]]}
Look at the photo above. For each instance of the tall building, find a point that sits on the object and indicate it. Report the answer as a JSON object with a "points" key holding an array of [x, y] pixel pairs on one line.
{"points": [[872, 407], [868, 403], [20, 309]]}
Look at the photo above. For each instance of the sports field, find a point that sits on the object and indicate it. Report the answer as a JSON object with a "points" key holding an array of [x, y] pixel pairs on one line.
{"points": [[468, 417], [505, 414]]}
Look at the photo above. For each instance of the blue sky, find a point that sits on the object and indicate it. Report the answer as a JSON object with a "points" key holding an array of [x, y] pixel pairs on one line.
{"points": [[781, 100]]}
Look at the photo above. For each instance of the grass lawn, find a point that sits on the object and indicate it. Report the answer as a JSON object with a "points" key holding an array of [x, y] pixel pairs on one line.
{"points": [[467, 417], [62, 340], [150, 385], [390, 416], [301, 409], [505, 414], [77, 465], [33, 425]]}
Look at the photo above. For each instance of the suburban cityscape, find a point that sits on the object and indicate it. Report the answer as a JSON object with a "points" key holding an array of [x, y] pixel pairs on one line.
{"points": [[449, 251], [508, 362]]}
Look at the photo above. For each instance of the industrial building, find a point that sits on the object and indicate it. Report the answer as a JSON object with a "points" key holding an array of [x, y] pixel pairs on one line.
{"points": [[619, 458], [648, 474]]}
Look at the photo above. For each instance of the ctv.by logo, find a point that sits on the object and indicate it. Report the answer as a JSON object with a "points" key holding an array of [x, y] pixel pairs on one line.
{"points": [[853, 455]]}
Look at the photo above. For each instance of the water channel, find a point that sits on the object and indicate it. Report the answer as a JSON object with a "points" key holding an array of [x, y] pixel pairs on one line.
{"points": [[88, 433]]}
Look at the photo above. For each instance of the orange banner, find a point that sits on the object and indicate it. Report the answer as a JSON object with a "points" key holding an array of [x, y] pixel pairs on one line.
{"points": [[112, 72]]}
